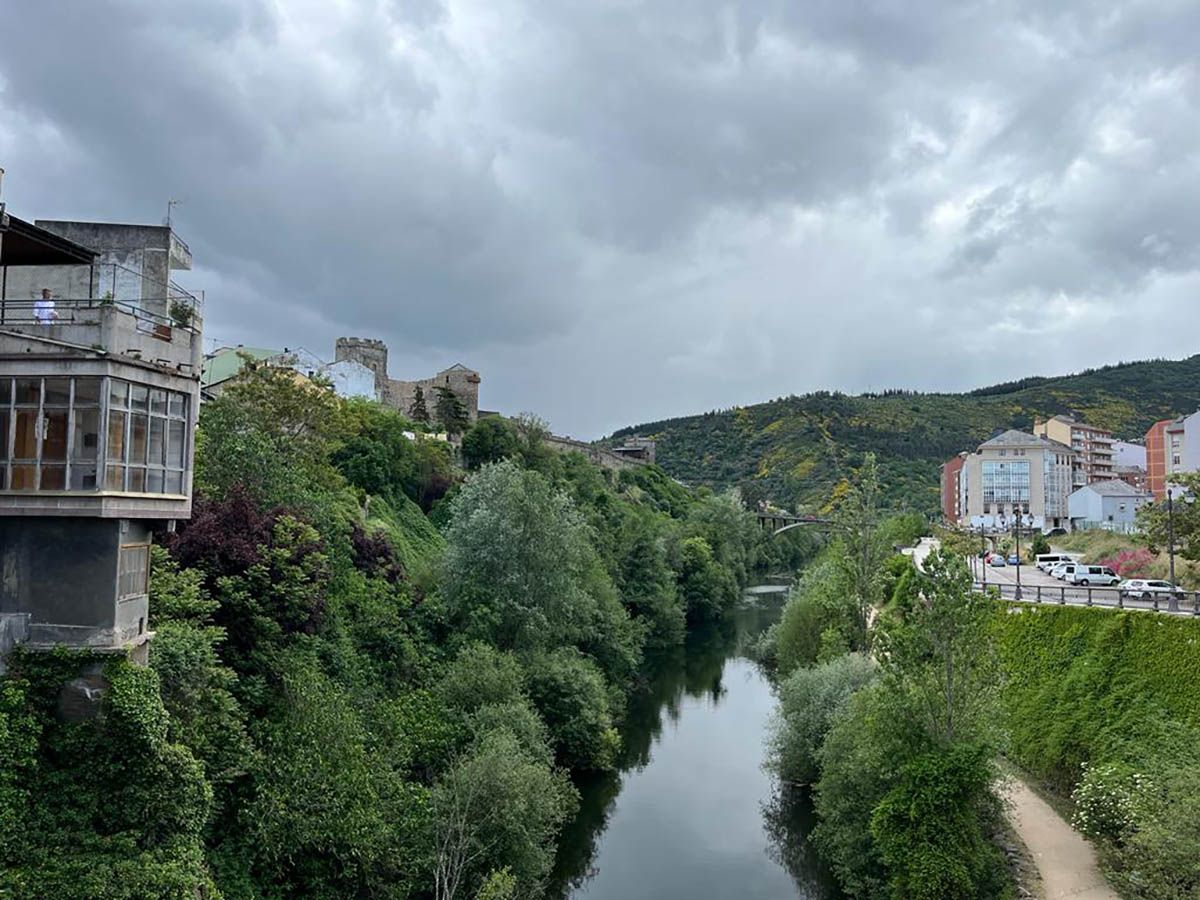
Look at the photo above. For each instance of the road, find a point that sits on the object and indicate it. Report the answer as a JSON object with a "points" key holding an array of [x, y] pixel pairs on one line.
{"points": [[1037, 586]]}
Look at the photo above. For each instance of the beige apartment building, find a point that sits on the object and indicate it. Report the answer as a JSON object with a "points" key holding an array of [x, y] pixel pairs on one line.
{"points": [[1016, 473], [1094, 453]]}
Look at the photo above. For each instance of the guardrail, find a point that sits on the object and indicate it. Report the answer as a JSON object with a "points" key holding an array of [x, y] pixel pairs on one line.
{"points": [[1181, 603], [69, 311]]}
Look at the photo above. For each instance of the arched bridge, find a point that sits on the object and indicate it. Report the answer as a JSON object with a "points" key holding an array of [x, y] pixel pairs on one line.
{"points": [[779, 522]]}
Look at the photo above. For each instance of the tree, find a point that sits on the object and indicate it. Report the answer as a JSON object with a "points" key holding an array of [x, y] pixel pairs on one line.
{"points": [[942, 652], [497, 809], [520, 570], [270, 434], [857, 520], [450, 411], [1182, 520], [707, 588], [810, 700], [417, 410], [568, 690], [490, 439]]}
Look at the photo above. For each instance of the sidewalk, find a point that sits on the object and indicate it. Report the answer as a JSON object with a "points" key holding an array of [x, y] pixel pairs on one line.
{"points": [[1066, 862]]}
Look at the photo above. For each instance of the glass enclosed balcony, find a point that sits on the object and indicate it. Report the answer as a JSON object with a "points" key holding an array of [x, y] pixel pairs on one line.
{"points": [[92, 435]]}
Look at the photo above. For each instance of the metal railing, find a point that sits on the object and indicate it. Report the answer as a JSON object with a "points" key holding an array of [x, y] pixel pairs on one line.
{"points": [[71, 311], [1180, 603]]}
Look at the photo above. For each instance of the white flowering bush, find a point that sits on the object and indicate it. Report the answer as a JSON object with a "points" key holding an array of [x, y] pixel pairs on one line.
{"points": [[1105, 799]]}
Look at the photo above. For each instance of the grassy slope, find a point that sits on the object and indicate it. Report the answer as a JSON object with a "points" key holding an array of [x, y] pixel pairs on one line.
{"points": [[797, 449]]}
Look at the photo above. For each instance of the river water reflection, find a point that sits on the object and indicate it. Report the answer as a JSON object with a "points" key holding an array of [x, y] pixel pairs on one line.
{"points": [[692, 815]]}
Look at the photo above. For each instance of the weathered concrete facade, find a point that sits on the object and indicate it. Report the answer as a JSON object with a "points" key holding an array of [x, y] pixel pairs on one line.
{"points": [[133, 264], [98, 403]]}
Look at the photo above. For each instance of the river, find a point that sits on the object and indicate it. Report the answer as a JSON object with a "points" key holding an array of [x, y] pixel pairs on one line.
{"points": [[691, 815]]}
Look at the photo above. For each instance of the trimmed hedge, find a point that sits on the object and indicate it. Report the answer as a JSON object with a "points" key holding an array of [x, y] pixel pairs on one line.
{"points": [[1082, 683]]}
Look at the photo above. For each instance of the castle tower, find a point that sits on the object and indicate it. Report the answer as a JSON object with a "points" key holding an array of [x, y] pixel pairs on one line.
{"points": [[371, 353]]}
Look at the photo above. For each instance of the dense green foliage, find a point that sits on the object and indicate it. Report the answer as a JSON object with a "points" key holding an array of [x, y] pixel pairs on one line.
{"points": [[1106, 704], [899, 752], [372, 674], [798, 450]]}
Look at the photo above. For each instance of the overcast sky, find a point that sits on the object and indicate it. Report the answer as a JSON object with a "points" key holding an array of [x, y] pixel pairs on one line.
{"points": [[619, 211]]}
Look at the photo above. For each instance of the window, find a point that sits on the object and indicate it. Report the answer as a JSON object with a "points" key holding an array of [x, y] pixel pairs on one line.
{"points": [[133, 571], [147, 440], [56, 435]]}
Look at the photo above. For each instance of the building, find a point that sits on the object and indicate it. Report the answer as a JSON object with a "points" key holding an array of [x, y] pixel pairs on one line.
{"points": [[1111, 505], [99, 387], [359, 369], [348, 378], [1128, 454], [1016, 473], [1156, 458], [1172, 448], [952, 487], [638, 448], [1135, 477], [460, 381], [1094, 455]]}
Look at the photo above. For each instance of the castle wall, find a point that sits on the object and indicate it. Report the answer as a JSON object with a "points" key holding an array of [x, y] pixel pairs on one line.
{"points": [[400, 394]]}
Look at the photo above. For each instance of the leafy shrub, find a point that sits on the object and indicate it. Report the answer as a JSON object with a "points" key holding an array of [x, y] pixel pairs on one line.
{"points": [[707, 588], [569, 691], [809, 702], [931, 827], [818, 602]]}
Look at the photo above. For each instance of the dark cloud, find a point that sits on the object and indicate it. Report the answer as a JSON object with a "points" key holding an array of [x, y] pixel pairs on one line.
{"points": [[623, 211]]}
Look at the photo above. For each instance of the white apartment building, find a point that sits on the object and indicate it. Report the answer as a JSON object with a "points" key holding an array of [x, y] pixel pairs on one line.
{"points": [[1016, 473]]}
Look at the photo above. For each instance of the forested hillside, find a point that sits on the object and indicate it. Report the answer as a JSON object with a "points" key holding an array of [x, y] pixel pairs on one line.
{"points": [[797, 450]]}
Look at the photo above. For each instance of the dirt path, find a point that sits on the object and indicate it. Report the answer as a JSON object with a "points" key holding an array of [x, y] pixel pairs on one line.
{"points": [[1066, 862]]}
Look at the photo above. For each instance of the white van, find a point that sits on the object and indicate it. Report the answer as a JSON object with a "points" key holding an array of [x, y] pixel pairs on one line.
{"points": [[1086, 575], [1047, 561]]}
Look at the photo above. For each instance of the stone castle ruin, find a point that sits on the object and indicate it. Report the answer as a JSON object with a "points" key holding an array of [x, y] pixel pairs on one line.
{"points": [[401, 395]]}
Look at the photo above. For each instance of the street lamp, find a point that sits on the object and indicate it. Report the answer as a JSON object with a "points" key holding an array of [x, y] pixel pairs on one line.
{"points": [[1017, 523], [1171, 536], [983, 554]]}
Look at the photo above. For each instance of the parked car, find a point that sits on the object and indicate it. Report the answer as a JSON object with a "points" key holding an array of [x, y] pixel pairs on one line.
{"points": [[1064, 571], [1047, 561], [996, 561], [1089, 575], [1013, 559], [1147, 588]]}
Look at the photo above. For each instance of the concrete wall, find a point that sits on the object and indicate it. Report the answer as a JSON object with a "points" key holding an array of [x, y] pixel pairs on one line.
{"points": [[135, 261], [1129, 454], [60, 576]]}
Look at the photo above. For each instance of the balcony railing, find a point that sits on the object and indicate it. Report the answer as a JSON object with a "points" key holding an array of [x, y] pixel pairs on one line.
{"points": [[182, 313]]}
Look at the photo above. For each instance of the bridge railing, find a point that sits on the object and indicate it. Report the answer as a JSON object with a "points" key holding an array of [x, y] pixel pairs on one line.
{"points": [[1180, 603]]}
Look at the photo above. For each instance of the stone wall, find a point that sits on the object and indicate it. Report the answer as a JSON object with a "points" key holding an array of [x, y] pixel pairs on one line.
{"points": [[400, 394], [604, 458]]}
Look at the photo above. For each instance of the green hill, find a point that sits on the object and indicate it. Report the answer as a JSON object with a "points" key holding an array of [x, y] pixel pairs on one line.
{"points": [[796, 450]]}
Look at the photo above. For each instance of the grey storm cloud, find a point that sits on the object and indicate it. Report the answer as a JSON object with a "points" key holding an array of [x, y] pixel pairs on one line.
{"points": [[620, 211]]}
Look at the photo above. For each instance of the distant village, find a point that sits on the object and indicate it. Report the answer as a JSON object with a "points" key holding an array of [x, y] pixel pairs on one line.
{"points": [[1067, 475]]}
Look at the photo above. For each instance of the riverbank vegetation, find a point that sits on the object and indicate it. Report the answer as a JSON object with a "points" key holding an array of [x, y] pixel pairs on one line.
{"points": [[374, 674], [897, 737], [893, 729]]}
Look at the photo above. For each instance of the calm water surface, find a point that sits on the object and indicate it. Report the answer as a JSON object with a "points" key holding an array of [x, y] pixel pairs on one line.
{"points": [[692, 815]]}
